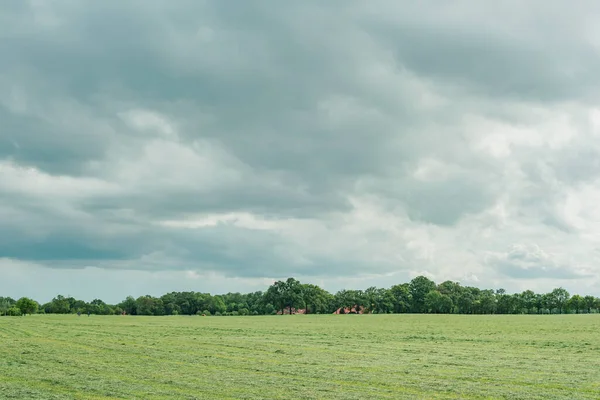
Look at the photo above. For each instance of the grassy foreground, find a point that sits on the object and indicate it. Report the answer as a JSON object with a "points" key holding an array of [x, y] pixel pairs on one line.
{"points": [[301, 357]]}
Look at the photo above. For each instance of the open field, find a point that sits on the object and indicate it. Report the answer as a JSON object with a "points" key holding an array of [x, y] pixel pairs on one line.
{"points": [[294, 357]]}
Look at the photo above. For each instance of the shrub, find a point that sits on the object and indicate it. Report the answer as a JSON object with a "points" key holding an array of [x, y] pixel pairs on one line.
{"points": [[207, 313], [217, 314], [13, 312]]}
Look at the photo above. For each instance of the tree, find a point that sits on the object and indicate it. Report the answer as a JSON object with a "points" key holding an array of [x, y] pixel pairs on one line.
{"points": [[129, 305], [276, 295], [435, 302], [465, 302], [217, 305], [559, 298], [383, 301], [5, 304], [26, 305], [59, 305], [452, 290], [292, 293], [402, 298], [590, 303], [419, 288], [285, 294], [576, 303], [528, 300], [487, 302], [14, 311], [315, 299]]}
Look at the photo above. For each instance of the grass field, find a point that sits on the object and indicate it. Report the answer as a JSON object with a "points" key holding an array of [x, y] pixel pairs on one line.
{"points": [[301, 357]]}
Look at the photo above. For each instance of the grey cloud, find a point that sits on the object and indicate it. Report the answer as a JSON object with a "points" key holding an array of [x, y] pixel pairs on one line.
{"points": [[537, 52], [265, 113], [531, 262]]}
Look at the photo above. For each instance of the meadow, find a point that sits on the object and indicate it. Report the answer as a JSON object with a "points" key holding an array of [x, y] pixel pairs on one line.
{"points": [[300, 357]]}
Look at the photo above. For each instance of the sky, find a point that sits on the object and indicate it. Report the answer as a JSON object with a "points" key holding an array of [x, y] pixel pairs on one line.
{"points": [[149, 147]]}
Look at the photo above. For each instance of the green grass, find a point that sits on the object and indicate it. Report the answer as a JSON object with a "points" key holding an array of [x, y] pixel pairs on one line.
{"points": [[301, 357]]}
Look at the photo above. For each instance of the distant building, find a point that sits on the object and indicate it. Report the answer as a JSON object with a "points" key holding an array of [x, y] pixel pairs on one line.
{"points": [[286, 311], [350, 310]]}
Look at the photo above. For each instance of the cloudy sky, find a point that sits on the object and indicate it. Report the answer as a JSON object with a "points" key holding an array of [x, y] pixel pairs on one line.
{"points": [[197, 145]]}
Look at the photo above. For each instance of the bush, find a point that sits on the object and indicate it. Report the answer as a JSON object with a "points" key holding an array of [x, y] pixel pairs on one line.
{"points": [[254, 312], [243, 311], [207, 313], [13, 312], [217, 314]]}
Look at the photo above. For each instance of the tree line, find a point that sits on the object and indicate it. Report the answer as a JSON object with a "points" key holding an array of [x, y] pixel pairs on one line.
{"points": [[420, 295]]}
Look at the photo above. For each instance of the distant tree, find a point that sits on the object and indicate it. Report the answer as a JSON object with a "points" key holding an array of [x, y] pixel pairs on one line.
{"points": [[402, 298], [558, 299], [5, 304], [419, 288], [148, 305], [27, 305], [285, 294], [217, 305], [454, 291], [465, 303], [14, 311], [382, 300], [315, 299], [59, 305], [590, 302], [576, 303], [293, 293], [275, 295], [528, 301], [438, 303], [432, 300], [129, 305], [419, 295], [487, 302]]}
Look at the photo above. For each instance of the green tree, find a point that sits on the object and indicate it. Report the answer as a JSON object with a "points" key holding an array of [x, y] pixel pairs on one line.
{"points": [[14, 311], [27, 305], [419, 288], [590, 302], [454, 291], [285, 294], [5, 304], [315, 299], [275, 295], [383, 301], [402, 298], [129, 305], [59, 305], [576, 303], [435, 302], [466, 301], [559, 298], [528, 301], [217, 305], [487, 302], [293, 293]]}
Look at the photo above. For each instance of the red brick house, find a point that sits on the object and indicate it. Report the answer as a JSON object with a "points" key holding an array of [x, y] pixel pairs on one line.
{"points": [[350, 310]]}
